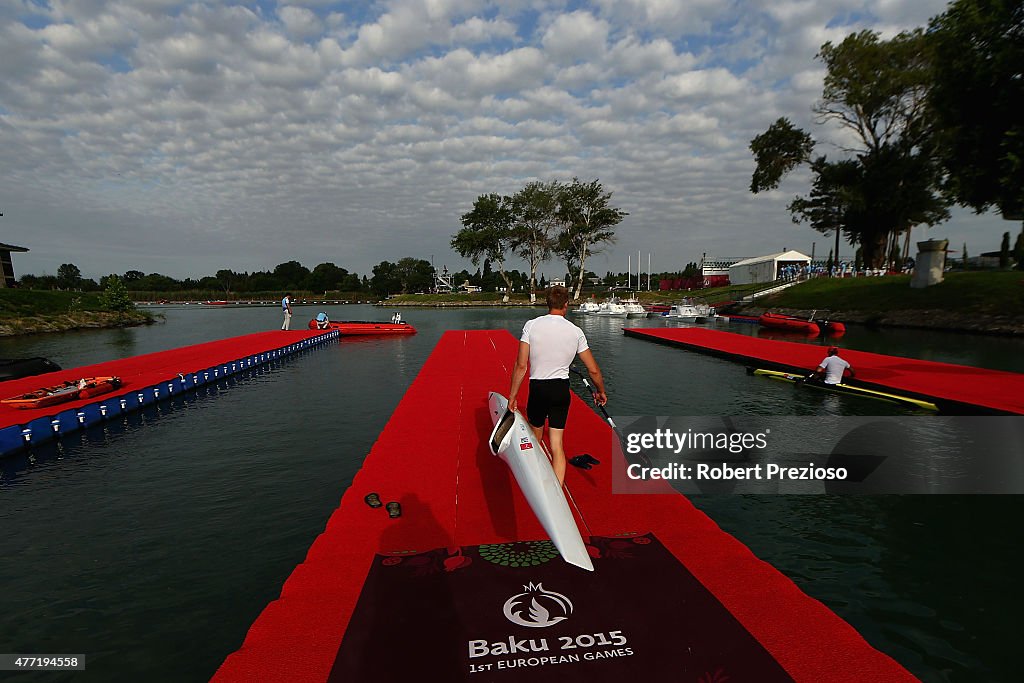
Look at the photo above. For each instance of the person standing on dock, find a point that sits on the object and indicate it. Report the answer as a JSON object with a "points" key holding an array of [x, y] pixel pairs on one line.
{"points": [[833, 367], [548, 346], [286, 308]]}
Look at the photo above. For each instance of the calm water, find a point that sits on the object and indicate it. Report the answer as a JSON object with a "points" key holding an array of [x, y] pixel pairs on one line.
{"points": [[152, 544]]}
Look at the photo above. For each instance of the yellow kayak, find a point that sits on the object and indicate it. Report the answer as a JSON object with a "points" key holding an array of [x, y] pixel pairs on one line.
{"points": [[802, 380]]}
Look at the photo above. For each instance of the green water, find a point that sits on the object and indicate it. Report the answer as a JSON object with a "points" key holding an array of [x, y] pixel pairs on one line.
{"points": [[151, 544]]}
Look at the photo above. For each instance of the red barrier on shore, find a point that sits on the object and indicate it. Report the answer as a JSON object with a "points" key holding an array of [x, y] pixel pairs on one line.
{"points": [[956, 386], [432, 458], [148, 370]]}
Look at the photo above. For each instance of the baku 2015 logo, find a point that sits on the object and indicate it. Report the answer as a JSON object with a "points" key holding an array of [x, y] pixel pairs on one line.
{"points": [[542, 607]]}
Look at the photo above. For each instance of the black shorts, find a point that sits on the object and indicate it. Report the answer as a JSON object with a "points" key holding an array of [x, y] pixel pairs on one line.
{"points": [[549, 400]]}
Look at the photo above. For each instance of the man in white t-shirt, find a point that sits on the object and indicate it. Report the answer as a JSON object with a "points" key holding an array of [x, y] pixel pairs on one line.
{"points": [[548, 346], [833, 367]]}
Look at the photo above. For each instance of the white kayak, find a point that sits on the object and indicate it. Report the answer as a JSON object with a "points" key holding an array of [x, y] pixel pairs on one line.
{"points": [[513, 441]]}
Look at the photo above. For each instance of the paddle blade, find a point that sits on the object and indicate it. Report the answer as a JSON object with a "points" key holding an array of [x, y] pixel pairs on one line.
{"points": [[500, 434]]}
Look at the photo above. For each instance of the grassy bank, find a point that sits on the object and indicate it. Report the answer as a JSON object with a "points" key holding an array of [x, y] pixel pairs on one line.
{"points": [[975, 302], [998, 293], [28, 311]]}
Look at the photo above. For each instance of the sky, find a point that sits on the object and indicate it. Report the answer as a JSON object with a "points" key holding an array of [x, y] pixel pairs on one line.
{"points": [[185, 137]]}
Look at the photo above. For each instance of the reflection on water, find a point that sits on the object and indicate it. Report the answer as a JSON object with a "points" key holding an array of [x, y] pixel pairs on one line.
{"points": [[170, 531]]}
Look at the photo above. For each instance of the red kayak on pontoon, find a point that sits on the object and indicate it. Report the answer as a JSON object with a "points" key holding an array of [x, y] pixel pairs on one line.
{"points": [[70, 390], [354, 327]]}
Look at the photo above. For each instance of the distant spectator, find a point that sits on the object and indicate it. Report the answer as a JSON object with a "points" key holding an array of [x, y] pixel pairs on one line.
{"points": [[286, 308]]}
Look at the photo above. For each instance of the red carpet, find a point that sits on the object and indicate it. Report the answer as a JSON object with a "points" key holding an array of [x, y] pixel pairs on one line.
{"points": [[432, 457], [138, 373], [958, 386]]}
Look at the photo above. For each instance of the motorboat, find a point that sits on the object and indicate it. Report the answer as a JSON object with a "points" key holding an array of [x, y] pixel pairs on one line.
{"points": [[633, 308], [612, 309], [688, 311], [589, 307]]}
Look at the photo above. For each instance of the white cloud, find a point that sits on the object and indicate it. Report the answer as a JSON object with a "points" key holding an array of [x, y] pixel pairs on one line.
{"points": [[475, 30], [575, 37], [299, 21], [703, 83], [129, 128]]}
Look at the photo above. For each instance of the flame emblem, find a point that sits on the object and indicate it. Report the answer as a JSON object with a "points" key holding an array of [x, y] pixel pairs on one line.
{"points": [[542, 607]]}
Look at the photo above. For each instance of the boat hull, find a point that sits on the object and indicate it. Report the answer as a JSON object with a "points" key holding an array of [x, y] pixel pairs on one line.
{"points": [[777, 321], [62, 393], [525, 457], [801, 380], [360, 327]]}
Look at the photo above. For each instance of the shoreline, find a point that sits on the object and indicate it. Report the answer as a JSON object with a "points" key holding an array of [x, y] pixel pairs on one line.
{"points": [[459, 304], [70, 322], [932, 320], [1007, 325]]}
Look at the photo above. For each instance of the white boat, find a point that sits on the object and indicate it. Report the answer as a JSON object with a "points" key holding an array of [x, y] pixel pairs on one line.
{"points": [[633, 308], [588, 307], [612, 308], [707, 312], [513, 441], [691, 312]]}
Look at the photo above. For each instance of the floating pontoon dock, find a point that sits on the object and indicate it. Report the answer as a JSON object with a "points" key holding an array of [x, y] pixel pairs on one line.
{"points": [[464, 585], [955, 388], [145, 379]]}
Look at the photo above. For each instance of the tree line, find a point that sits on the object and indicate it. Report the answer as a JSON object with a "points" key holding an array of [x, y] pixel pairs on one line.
{"points": [[544, 219], [931, 118], [407, 275], [290, 275]]}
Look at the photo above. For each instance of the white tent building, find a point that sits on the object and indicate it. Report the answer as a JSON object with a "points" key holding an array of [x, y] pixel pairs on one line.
{"points": [[765, 268]]}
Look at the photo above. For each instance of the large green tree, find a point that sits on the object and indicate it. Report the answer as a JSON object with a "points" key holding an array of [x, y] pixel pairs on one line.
{"points": [[588, 221], [833, 201], [68, 276], [291, 274], [416, 275], [535, 211], [326, 276], [487, 233], [385, 279], [875, 94], [155, 282], [976, 98]]}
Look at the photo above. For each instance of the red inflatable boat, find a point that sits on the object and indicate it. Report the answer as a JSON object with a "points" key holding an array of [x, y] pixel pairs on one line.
{"points": [[789, 323], [777, 321], [354, 327]]}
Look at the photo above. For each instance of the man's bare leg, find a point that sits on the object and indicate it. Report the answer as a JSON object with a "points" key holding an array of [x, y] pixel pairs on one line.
{"points": [[557, 453], [556, 450]]}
